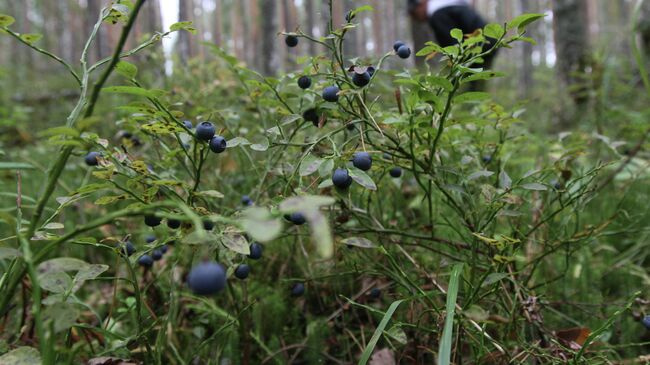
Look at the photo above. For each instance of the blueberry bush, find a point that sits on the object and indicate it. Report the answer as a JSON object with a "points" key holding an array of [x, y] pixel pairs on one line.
{"points": [[341, 213]]}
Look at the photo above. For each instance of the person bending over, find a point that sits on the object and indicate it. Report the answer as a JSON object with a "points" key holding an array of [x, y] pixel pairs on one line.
{"points": [[445, 15]]}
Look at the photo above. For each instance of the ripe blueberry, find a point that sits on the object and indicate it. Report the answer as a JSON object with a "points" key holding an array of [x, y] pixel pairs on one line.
{"points": [[362, 161], [205, 131], [145, 261], [188, 124], [208, 225], [311, 115], [330, 94], [556, 185], [156, 255], [207, 278], [304, 82], [371, 70], [341, 178], [128, 248], [256, 251], [362, 79], [297, 218], [164, 249], [487, 159], [91, 158], [291, 41], [397, 45], [173, 223], [404, 52], [150, 238], [374, 293], [218, 144], [246, 200], [646, 321], [298, 290], [242, 271], [395, 172], [152, 220]]}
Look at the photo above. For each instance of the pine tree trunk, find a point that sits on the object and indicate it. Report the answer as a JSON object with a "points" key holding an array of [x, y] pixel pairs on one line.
{"points": [[269, 38], [526, 83], [572, 51]]}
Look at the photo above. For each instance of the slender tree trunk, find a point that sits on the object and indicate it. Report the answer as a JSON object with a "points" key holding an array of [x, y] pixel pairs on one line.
{"points": [[310, 12], [217, 27], [269, 38], [572, 50], [526, 83]]}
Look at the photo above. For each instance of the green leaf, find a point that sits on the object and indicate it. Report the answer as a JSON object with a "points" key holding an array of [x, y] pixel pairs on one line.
{"points": [[134, 90], [397, 333], [367, 352], [478, 174], [9, 253], [210, 194], [110, 199], [522, 21], [444, 349], [89, 272], [361, 178], [54, 226], [457, 34], [493, 278], [471, 96], [261, 147], [260, 224], [358, 242], [55, 282], [183, 26], [534, 186], [61, 264], [310, 165], [493, 31], [15, 166], [304, 203], [126, 69], [483, 75], [236, 142], [21, 356], [31, 37], [63, 314], [60, 131], [236, 242], [6, 20]]}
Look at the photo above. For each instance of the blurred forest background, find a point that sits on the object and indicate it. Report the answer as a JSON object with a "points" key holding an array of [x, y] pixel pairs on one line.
{"points": [[583, 46]]}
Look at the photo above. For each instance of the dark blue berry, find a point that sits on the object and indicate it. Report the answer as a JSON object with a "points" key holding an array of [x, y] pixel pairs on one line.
{"points": [[145, 261], [164, 249], [188, 124], [311, 115], [646, 321], [205, 131], [207, 278], [217, 144], [128, 249], [208, 225], [374, 293], [397, 45], [256, 251], [341, 178], [291, 41], [150, 238], [304, 82], [395, 172], [156, 255], [361, 79], [362, 161], [371, 70], [173, 223], [297, 218], [330, 94], [91, 158], [487, 159], [246, 200], [152, 220], [298, 290], [404, 52], [242, 271]]}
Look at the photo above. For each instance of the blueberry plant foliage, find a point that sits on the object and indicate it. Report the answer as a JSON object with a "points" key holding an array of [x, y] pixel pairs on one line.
{"points": [[351, 208]]}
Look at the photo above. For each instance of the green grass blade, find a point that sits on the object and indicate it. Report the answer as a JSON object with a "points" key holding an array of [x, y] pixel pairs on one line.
{"points": [[380, 329], [444, 351]]}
